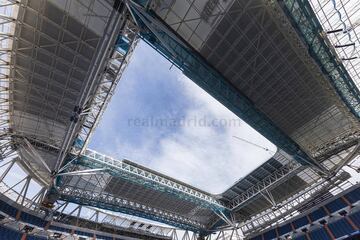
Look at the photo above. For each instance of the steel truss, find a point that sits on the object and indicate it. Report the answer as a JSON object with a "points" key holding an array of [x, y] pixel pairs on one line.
{"points": [[105, 77], [162, 39], [310, 29], [340, 21], [113, 69], [114, 203], [97, 162], [7, 24], [289, 169], [22, 197], [63, 213], [288, 208], [106, 70], [269, 182], [130, 172]]}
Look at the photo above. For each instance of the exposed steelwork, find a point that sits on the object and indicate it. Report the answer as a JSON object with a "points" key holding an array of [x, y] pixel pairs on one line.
{"points": [[288, 68]]}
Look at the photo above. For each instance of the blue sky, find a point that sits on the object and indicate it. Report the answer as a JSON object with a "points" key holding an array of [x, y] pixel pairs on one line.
{"points": [[161, 119]]}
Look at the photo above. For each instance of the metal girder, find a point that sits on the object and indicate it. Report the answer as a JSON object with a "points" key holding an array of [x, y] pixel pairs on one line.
{"points": [[115, 22], [288, 208], [92, 159], [63, 214], [309, 28], [117, 204], [163, 40], [113, 70], [7, 22], [272, 180], [99, 163]]}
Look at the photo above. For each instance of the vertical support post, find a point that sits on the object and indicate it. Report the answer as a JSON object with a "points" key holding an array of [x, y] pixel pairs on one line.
{"points": [[326, 210], [328, 231], [346, 201], [351, 223]]}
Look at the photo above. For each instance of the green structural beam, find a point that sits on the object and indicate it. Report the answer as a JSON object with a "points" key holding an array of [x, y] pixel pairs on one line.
{"points": [[160, 36], [309, 28]]}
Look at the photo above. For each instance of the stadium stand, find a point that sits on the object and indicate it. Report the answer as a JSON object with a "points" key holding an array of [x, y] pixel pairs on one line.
{"points": [[336, 218]]}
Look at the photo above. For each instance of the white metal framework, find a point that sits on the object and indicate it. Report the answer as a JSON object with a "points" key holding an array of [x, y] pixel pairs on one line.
{"points": [[60, 62]]}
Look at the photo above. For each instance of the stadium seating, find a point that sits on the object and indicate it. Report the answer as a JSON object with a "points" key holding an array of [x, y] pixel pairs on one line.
{"points": [[336, 205], [82, 233], [340, 228], [319, 234], [353, 196], [317, 214], [284, 229], [8, 209], [60, 229], [336, 213], [31, 237], [7, 233], [355, 217], [28, 218], [301, 237], [300, 222], [270, 234]]}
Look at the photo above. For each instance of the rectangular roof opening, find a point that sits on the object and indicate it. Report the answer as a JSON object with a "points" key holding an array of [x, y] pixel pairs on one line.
{"points": [[161, 119]]}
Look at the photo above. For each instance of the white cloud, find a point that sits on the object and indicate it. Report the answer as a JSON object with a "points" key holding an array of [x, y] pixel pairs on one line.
{"points": [[206, 157]]}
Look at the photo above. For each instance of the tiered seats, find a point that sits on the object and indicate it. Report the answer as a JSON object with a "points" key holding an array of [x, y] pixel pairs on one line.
{"points": [[317, 214], [302, 237], [355, 217], [7, 233], [319, 234], [31, 237], [336, 205], [82, 233], [353, 196], [270, 234], [257, 238], [25, 217], [284, 229], [60, 229], [104, 237], [298, 223], [320, 215], [28, 218], [8, 209], [340, 228]]}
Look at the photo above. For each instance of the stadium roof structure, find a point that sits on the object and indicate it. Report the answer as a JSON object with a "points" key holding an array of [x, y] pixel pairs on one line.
{"points": [[287, 68]]}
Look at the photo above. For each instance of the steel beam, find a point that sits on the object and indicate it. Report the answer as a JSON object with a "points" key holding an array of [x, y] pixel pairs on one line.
{"points": [[304, 20], [272, 180], [109, 78], [147, 178], [114, 24], [117, 204], [160, 36], [289, 207]]}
